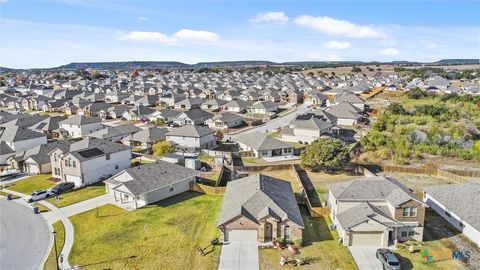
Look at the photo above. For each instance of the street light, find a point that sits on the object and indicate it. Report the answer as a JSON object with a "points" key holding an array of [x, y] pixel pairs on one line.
{"points": [[56, 252]]}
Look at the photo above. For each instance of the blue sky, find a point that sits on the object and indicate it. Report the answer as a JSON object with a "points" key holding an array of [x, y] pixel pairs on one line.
{"points": [[46, 33]]}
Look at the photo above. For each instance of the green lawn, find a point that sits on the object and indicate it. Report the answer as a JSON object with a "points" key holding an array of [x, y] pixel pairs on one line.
{"points": [[321, 247], [30, 184], [286, 175], [253, 160], [50, 263], [141, 161], [161, 236], [79, 195], [206, 158], [2, 193]]}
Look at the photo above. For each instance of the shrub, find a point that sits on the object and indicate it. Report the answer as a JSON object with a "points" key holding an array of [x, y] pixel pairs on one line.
{"points": [[298, 242]]}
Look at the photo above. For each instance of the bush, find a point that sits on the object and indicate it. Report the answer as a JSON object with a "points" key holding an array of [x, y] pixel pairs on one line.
{"points": [[298, 242], [163, 147], [325, 154], [416, 93]]}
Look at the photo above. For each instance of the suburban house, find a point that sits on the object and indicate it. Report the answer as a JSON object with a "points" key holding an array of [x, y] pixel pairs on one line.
{"points": [[192, 138], [139, 112], [115, 134], [145, 184], [145, 138], [263, 145], [36, 160], [238, 106], [20, 139], [346, 114], [188, 104], [79, 125], [224, 120], [49, 126], [459, 204], [351, 98], [306, 129], [89, 161], [192, 117], [375, 211], [260, 208], [263, 107], [5, 153], [213, 104]]}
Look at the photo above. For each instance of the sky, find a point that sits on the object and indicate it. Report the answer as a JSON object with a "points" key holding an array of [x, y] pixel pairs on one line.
{"points": [[49, 33]]}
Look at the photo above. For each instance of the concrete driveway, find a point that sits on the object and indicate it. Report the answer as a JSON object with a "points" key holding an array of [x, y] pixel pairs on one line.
{"points": [[25, 237], [365, 257], [239, 255]]}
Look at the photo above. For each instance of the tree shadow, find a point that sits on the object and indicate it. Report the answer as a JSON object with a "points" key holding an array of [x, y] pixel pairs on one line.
{"points": [[316, 228], [405, 263]]}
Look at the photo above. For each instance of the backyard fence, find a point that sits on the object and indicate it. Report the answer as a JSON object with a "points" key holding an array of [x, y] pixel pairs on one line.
{"points": [[208, 189], [313, 202]]}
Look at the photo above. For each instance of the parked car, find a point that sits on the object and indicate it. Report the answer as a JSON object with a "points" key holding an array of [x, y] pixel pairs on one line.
{"points": [[62, 188], [37, 195], [388, 259]]}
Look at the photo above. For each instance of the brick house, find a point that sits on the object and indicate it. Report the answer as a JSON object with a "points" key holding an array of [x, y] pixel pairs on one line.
{"points": [[260, 207]]}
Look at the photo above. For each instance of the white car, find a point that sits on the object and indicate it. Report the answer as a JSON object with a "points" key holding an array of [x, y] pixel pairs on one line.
{"points": [[37, 195]]}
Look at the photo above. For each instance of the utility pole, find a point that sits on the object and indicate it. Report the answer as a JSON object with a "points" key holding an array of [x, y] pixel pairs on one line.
{"points": [[56, 252]]}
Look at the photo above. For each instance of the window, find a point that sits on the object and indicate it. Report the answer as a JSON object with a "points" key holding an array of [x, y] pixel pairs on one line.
{"points": [[413, 211], [171, 188], [447, 214], [55, 156], [116, 167], [107, 156], [287, 234], [406, 212], [66, 162], [461, 224], [74, 164], [411, 231], [405, 232]]}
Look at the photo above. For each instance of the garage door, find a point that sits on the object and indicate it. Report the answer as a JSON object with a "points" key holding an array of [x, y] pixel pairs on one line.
{"points": [[242, 235], [74, 179], [366, 238], [32, 168]]}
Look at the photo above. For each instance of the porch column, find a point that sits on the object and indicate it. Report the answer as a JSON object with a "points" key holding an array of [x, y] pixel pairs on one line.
{"points": [[135, 200]]}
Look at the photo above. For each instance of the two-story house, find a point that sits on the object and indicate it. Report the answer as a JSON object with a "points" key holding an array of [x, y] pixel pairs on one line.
{"points": [[375, 211], [89, 161], [307, 128], [192, 138], [79, 125]]}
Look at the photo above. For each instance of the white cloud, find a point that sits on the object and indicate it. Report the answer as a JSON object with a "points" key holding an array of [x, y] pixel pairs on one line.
{"points": [[334, 27], [160, 38], [338, 45], [147, 37], [390, 51], [270, 17], [142, 18], [196, 35]]}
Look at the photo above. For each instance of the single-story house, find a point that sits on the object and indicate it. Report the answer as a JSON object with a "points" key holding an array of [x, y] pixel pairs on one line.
{"points": [[192, 138], [263, 145], [146, 184], [459, 204], [260, 207], [224, 120]]}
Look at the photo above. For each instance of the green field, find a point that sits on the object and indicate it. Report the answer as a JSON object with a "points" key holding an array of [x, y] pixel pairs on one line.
{"points": [[160, 236], [50, 263]]}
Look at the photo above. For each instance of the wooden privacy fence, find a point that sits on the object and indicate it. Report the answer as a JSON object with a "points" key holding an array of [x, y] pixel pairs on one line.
{"points": [[208, 189], [450, 174], [312, 200]]}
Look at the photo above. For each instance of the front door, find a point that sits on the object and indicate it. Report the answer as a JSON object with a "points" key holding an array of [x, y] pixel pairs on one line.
{"points": [[268, 232]]}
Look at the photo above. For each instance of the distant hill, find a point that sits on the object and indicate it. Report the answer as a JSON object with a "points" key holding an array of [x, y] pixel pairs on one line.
{"points": [[125, 65], [458, 62], [236, 64]]}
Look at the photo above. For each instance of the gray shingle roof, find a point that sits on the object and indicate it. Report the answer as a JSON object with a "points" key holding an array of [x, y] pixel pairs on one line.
{"points": [[373, 189], [461, 199], [149, 135], [190, 131], [259, 141], [258, 196], [81, 120], [152, 176], [106, 147], [15, 134]]}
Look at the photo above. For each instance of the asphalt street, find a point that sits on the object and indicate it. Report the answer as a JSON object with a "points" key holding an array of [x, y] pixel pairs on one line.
{"points": [[24, 237], [275, 123]]}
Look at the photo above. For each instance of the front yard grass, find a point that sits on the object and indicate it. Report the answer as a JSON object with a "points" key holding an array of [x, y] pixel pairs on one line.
{"points": [[42, 208], [5, 194], [50, 263], [30, 184], [321, 248], [79, 195], [165, 235]]}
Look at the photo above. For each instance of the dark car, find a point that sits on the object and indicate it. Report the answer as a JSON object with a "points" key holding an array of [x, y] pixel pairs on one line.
{"points": [[388, 259], [63, 187]]}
